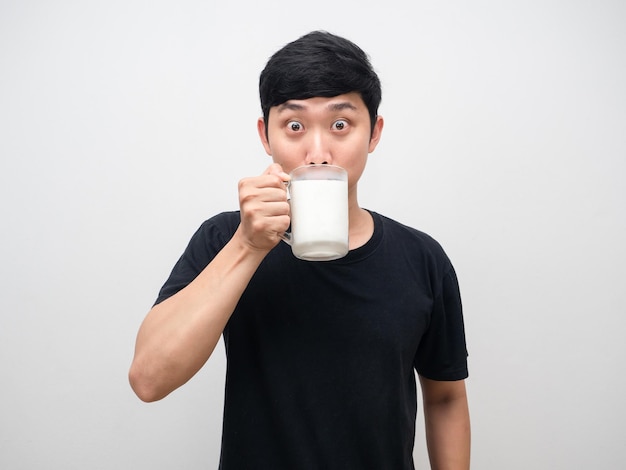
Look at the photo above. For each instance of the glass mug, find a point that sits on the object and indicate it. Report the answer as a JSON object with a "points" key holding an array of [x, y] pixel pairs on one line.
{"points": [[318, 195]]}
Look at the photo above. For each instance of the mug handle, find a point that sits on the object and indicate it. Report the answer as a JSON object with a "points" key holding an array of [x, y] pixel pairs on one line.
{"points": [[286, 236]]}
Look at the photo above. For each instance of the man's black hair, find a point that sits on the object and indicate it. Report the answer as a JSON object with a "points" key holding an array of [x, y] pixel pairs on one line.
{"points": [[319, 64]]}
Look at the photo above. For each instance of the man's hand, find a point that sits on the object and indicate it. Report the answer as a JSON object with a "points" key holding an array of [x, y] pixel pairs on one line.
{"points": [[264, 208]]}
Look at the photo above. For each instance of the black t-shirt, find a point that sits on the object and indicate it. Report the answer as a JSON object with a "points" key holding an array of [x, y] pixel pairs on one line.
{"points": [[321, 355]]}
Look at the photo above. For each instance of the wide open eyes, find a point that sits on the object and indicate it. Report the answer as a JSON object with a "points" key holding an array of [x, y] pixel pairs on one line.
{"points": [[339, 125], [297, 126]]}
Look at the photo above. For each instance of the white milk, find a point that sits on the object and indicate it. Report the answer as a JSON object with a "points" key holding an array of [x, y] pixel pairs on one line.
{"points": [[319, 218]]}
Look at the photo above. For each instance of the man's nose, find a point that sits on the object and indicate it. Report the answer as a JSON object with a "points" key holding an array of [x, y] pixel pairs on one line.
{"points": [[318, 151]]}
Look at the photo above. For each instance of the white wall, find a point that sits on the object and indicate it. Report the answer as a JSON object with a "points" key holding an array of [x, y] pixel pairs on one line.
{"points": [[124, 124]]}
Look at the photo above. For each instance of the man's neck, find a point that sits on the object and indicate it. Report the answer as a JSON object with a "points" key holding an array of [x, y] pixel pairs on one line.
{"points": [[361, 227]]}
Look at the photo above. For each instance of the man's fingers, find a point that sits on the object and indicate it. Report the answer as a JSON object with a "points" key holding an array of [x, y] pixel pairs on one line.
{"points": [[276, 169], [264, 188]]}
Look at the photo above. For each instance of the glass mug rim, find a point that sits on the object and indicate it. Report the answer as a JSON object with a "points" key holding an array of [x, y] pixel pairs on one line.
{"points": [[312, 169]]}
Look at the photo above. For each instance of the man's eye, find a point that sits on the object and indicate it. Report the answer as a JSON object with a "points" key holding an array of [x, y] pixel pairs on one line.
{"points": [[294, 126], [340, 125]]}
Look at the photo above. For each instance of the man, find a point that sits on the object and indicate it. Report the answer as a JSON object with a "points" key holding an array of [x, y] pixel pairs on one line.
{"points": [[320, 355]]}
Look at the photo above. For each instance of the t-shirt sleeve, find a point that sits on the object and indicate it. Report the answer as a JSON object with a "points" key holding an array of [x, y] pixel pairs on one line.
{"points": [[204, 245], [442, 352]]}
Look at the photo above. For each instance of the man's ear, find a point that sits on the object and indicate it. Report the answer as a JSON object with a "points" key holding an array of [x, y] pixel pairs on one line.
{"points": [[261, 129], [377, 131]]}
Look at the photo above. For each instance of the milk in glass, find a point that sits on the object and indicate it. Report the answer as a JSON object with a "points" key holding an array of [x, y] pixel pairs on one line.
{"points": [[319, 218]]}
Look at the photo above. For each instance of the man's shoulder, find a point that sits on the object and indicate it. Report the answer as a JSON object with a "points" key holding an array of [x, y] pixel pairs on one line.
{"points": [[226, 222], [216, 231], [400, 231]]}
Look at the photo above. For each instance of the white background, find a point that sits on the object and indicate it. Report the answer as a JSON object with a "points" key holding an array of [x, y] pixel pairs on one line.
{"points": [[125, 124]]}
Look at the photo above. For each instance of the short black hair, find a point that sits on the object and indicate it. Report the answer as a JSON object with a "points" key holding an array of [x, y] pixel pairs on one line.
{"points": [[319, 64]]}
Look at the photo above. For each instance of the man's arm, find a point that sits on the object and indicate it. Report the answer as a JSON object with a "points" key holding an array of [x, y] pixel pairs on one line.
{"points": [[446, 415], [179, 334]]}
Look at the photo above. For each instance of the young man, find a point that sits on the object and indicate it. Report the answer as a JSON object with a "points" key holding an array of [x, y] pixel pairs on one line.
{"points": [[320, 355]]}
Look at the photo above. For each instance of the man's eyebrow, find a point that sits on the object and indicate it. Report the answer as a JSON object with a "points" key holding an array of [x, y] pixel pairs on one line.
{"points": [[341, 106], [291, 106]]}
